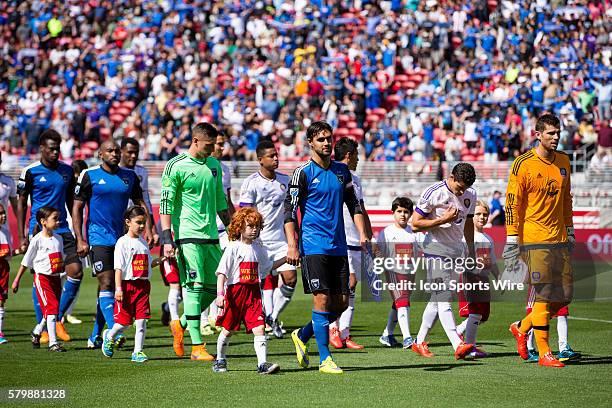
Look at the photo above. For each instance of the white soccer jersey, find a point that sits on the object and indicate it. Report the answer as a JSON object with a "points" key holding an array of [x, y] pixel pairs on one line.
{"points": [[6, 248], [226, 179], [143, 176], [45, 254], [244, 263], [267, 196], [394, 241], [485, 249], [350, 229], [8, 189], [133, 257], [445, 240]]}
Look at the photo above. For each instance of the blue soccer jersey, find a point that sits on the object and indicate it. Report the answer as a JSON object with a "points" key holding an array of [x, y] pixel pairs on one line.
{"points": [[107, 196], [47, 187], [320, 194]]}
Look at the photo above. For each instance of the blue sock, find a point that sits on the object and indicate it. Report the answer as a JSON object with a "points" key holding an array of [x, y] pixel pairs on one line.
{"points": [[69, 292], [320, 324], [107, 306], [98, 323], [306, 332], [37, 309]]}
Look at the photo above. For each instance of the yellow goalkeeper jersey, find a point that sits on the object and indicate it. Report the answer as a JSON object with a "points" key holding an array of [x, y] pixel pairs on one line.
{"points": [[538, 199]]}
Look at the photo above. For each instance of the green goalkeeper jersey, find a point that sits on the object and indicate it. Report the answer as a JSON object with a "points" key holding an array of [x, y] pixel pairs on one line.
{"points": [[192, 193]]}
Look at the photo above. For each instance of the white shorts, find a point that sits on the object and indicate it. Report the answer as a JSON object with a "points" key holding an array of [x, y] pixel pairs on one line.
{"points": [[438, 269], [354, 261], [276, 251]]}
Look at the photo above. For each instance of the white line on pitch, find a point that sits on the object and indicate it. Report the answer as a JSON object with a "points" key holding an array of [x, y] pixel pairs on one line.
{"points": [[590, 320]]}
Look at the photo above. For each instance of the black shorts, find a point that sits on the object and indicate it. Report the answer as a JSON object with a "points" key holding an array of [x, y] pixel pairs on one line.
{"points": [[102, 259], [325, 273], [70, 251]]}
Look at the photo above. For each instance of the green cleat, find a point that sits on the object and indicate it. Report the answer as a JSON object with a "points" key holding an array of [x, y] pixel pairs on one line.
{"points": [[329, 367], [301, 349], [139, 357]]}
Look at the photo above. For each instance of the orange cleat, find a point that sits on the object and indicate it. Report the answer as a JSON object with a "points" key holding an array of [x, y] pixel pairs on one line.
{"points": [[61, 332], [422, 350], [463, 350], [521, 341], [334, 338], [44, 337], [199, 353], [548, 360], [178, 334], [350, 344]]}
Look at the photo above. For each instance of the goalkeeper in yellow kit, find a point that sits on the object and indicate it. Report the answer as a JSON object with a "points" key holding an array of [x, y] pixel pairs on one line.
{"points": [[539, 228]]}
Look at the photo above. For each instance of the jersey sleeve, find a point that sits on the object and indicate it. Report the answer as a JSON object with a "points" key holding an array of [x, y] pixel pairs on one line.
{"points": [[381, 243], [61, 245], [515, 194], [425, 204], [350, 198], [119, 257], [170, 181], [247, 193], [226, 179], [83, 189], [298, 189], [136, 193], [144, 185], [28, 258], [225, 264], [472, 207], [358, 189], [25, 185], [221, 197]]}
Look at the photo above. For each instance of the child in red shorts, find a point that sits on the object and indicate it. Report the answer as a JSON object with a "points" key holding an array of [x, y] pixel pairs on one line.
{"points": [[5, 256], [132, 261], [243, 266], [45, 255]]}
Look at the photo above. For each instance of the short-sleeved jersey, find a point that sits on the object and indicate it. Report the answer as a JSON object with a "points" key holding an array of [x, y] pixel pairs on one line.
{"points": [[107, 196], [394, 241], [350, 229], [244, 263], [133, 258], [8, 190], [320, 195], [538, 198], [45, 254], [267, 196], [47, 187], [192, 193], [6, 249], [226, 180], [483, 244], [445, 240], [143, 179]]}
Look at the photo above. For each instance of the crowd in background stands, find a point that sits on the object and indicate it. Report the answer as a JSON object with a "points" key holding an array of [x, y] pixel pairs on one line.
{"points": [[409, 79]]}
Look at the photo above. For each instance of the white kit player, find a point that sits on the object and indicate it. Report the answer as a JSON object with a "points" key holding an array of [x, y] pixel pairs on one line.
{"points": [[445, 212], [8, 195], [345, 151], [266, 191]]}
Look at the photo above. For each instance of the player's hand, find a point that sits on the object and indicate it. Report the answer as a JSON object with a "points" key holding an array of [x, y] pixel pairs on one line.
{"points": [[571, 238], [511, 252], [168, 251], [449, 215], [149, 238], [23, 246], [82, 248], [119, 295], [15, 286], [293, 256], [155, 240], [220, 302]]}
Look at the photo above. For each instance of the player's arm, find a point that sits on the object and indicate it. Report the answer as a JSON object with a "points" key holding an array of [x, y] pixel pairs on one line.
{"points": [[568, 212], [222, 209], [24, 190], [82, 194], [298, 188], [26, 262], [515, 193], [468, 234], [147, 199], [247, 194], [166, 208], [366, 219], [70, 192], [225, 266], [354, 207], [13, 198], [421, 223]]}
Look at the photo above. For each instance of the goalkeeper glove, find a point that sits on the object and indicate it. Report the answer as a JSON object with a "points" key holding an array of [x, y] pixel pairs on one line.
{"points": [[511, 251], [571, 238]]}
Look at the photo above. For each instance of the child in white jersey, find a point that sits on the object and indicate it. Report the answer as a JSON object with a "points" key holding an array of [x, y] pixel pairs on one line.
{"points": [[5, 257]]}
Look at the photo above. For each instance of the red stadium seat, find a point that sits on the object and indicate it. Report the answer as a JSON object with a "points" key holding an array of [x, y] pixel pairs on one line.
{"points": [[116, 104], [401, 78], [343, 118], [351, 125], [382, 112], [129, 104], [409, 85], [105, 133], [468, 157], [372, 118], [393, 100], [357, 134], [341, 132], [124, 111], [93, 145], [117, 119]]}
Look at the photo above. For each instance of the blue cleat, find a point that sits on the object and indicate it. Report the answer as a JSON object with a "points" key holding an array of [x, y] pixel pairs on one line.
{"points": [[533, 356], [2, 338], [568, 354], [95, 343], [407, 343], [388, 341], [220, 366], [108, 345], [139, 357]]}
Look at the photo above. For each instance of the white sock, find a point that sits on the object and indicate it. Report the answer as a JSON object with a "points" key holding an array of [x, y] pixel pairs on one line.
{"points": [[391, 321], [115, 330], [51, 320], [38, 329], [222, 345], [139, 336], [213, 311], [473, 321], [445, 312], [268, 301], [530, 341], [261, 349], [346, 318], [561, 331], [334, 324], [1, 318], [174, 296], [403, 317], [430, 315], [461, 327], [282, 297], [204, 317]]}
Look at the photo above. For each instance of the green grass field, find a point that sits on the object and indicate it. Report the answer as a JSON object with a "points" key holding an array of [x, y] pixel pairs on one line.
{"points": [[376, 376]]}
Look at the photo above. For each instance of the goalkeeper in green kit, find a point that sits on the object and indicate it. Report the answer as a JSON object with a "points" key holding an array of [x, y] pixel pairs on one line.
{"points": [[192, 195]]}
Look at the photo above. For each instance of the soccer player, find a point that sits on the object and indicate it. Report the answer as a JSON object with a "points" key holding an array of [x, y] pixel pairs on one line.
{"points": [[5, 256], [345, 151], [192, 195], [539, 222], [266, 191], [8, 194], [445, 212], [106, 190], [50, 183], [395, 240], [319, 189]]}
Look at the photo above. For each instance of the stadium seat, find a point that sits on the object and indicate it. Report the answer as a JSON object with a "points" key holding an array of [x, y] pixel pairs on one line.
{"points": [[357, 134], [105, 133], [343, 118], [382, 112], [351, 125], [409, 85], [129, 105], [372, 119], [341, 132], [401, 78], [393, 100]]}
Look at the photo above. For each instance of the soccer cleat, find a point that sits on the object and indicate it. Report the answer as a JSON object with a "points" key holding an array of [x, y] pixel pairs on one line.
{"points": [[277, 329], [120, 341], [199, 353], [44, 337], [329, 367], [268, 368], [178, 333], [269, 321], [206, 330], [36, 340], [478, 353], [220, 366], [533, 356], [463, 350], [334, 338], [108, 345], [301, 349], [407, 343], [57, 348], [72, 319], [521, 341], [139, 357], [388, 341], [95, 343], [2, 338], [61, 332], [568, 354], [548, 360], [422, 349], [351, 344], [165, 314]]}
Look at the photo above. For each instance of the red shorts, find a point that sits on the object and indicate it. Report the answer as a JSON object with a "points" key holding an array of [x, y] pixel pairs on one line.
{"points": [[271, 282], [4, 279], [242, 305], [475, 301], [401, 293], [169, 271], [135, 303], [564, 311], [48, 292]]}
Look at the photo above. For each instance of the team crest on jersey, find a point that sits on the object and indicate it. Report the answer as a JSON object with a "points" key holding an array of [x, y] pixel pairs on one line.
{"points": [[21, 184], [193, 274], [65, 177], [340, 178], [314, 284], [535, 277], [214, 172], [294, 191], [166, 181], [126, 181], [98, 266], [466, 202], [77, 189], [563, 172]]}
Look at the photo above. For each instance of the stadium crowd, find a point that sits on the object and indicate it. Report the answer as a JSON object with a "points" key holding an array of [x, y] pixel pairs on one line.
{"points": [[409, 79]]}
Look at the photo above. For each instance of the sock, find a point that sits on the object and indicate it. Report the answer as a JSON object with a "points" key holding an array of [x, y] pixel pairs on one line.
{"points": [[320, 325], [282, 297], [107, 306], [1, 317], [37, 309], [115, 330], [403, 317], [333, 325], [222, 345], [530, 341], [70, 309], [461, 327], [346, 318], [139, 336], [193, 310], [561, 331], [306, 332], [540, 319], [98, 322], [473, 321], [525, 325], [213, 311], [430, 315], [51, 320], [261, 349], [38, 329], [174, 296], [445, 313], [204, 317], [391, 321], [69, 292], [267, 299]]}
